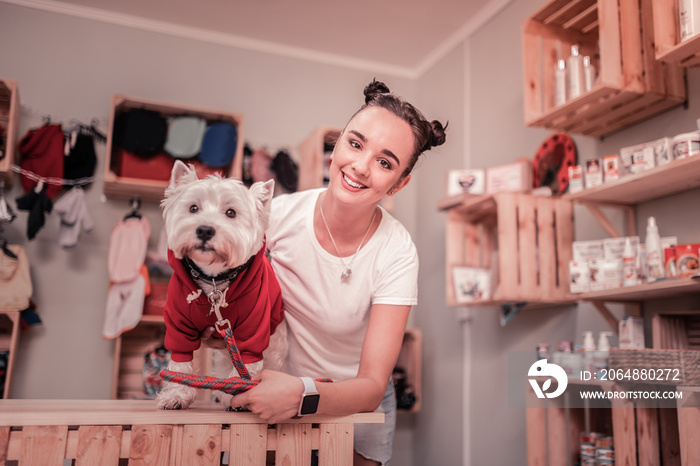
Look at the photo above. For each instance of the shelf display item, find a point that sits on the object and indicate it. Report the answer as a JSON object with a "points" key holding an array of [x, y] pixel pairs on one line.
{"points": [[552, 161]]}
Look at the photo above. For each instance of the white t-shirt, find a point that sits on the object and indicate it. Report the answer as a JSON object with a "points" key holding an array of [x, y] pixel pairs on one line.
{"points": [[327, 316]]}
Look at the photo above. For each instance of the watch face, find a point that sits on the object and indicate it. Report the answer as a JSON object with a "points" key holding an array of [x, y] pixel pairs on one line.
{"points": [[309, 404]]}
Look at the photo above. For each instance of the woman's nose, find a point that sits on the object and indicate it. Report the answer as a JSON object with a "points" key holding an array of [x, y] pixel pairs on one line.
{"points": [[361, 164]]}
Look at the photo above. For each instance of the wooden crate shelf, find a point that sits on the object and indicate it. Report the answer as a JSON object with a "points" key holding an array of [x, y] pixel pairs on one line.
{"points": [[669, 48], [9, 341], [660, 289], [409, 360], [9, 124], [526, 240], [311, 153], [631, 85], [153, 189]]}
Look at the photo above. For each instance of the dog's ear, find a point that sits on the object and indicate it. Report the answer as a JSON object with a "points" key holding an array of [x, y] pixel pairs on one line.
{"points": [[182, 174], [262, 193]]}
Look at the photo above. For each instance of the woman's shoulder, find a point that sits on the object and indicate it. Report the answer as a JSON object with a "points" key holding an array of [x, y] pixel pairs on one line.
{"points": [[289, 201], [394, 231]]}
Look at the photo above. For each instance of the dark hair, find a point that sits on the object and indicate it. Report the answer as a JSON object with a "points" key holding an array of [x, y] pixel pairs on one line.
{"points": [[426, 134]]}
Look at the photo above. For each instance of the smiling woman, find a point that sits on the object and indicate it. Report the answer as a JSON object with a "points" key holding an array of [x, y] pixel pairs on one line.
{"points": [[348, 272]]}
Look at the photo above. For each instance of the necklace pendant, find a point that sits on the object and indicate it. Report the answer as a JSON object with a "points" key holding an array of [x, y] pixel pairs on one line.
{"points": [[346, 275]]}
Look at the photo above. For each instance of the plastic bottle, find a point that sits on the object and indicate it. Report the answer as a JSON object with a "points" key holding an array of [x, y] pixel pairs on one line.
{"points": [[629, 265], [654, 254], [560, 83], [589, 74], [600, 357], [576, 77]]}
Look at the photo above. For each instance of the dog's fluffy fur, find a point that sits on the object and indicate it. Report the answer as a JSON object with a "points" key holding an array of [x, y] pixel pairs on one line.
{"points": [[215, 201]]}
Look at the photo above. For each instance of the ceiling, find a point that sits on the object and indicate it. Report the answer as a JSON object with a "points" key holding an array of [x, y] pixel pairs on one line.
{"points": [[404, 34]]}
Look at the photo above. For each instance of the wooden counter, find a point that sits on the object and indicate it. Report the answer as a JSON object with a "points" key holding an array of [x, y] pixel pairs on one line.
{"points": [[92, 432]]}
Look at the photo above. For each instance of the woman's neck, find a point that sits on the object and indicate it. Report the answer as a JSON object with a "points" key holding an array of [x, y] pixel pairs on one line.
{"points": [[348, 225]]}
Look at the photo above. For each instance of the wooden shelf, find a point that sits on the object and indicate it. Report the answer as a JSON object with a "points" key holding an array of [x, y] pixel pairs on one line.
{"points": [[672, 178], [618, 36], [117, 185], [9, 341], [669, 49], [661, 289], [9, 122]]}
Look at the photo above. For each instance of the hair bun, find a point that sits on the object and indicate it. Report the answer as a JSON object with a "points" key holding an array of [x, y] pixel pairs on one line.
{"points": [[373, 89], [437, 135]]}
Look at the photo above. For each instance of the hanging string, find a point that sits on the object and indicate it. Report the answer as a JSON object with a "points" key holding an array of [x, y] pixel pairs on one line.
{"points": [[52, 180]]}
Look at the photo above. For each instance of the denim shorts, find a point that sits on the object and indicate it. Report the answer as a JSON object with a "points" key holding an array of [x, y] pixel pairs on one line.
{"points": [[373, 441]]}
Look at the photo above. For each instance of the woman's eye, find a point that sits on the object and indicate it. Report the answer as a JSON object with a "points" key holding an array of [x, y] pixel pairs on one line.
{"points": [[230, 213], [385, 164], [354, 144], [194, 209]]}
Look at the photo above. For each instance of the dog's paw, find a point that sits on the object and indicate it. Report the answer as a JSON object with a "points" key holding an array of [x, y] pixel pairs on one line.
{"points": [[175, 396]]}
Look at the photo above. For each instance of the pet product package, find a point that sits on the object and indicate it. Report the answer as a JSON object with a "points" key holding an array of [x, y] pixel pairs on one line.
{"points": [[631, 330], [686, 145], [636, 159], [613, 248], [594, 173], [586, 251], [611, 168], [575, 179], [687, 259], [470, 181], [579, 274], [514, 177], [471, 284]]}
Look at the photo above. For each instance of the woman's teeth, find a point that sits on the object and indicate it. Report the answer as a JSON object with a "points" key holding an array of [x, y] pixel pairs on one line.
{"points": [[352, 183]]}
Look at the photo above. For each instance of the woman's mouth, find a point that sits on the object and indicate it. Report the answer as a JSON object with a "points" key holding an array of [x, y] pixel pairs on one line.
{"points": [[353, 184]]}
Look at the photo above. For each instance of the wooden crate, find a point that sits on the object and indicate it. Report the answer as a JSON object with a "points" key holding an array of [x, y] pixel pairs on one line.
{"points": [[130, 350], [9, 341], [153, 189], [311, 155], [9, 121], [526, 238], [114, 432], [618, 36], [676, 331], [669, 48], [409, 360]]}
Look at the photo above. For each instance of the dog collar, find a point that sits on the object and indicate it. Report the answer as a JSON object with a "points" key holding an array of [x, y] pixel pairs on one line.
{"points": [[224, 277]]}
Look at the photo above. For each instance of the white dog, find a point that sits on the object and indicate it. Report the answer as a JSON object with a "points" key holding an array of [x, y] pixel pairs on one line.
{"points": [[215, 231]]}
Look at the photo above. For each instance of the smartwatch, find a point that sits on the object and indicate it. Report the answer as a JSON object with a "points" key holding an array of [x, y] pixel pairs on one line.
{"points": [[309, 399]]}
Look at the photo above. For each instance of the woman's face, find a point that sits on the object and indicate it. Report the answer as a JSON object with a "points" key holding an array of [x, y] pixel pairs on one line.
{"points": [[370, 156]]}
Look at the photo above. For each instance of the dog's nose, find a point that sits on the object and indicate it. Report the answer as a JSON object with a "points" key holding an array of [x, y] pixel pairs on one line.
{"points": [[205, 232]]}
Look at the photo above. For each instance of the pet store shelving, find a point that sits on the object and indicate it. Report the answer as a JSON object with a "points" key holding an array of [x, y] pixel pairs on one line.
{"points": [[619, 37], [311, 153], [9, 341], [523, 239], [669, 48], [145, 186], [9, 123]]}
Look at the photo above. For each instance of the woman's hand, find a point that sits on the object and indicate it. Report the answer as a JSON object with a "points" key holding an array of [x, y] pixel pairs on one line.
{"points": [[276, 398]]}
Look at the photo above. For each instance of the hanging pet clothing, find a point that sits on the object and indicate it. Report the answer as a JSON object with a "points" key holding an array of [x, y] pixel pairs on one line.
{"points": [[124, 307], [141, 132], [260, 163], [72, 211], [185, 136], [80, 159], [41, 152], [127, 249], [15, 280], [36, 202], [219, 144], [286, 171]]}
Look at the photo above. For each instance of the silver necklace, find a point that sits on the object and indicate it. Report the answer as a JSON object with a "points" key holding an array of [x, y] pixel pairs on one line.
{"points": [[347, 272]]}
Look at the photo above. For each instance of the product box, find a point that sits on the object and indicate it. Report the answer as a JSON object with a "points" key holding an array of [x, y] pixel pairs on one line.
{"points": [[631, 330], [586, 251], [472, 181], [636, 159], [687, 259], [514, 177], [611, 168], [580, 277], [686, 145], [471, 284], [614, 248], [575, 178], [594, 173]]}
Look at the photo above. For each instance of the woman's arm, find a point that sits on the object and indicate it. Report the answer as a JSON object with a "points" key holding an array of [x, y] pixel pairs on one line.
{"points": [[276, 397]]}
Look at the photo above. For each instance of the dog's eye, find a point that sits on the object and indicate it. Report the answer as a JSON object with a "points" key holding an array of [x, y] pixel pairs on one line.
{"points": [[194, 209], [230, 213]]}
